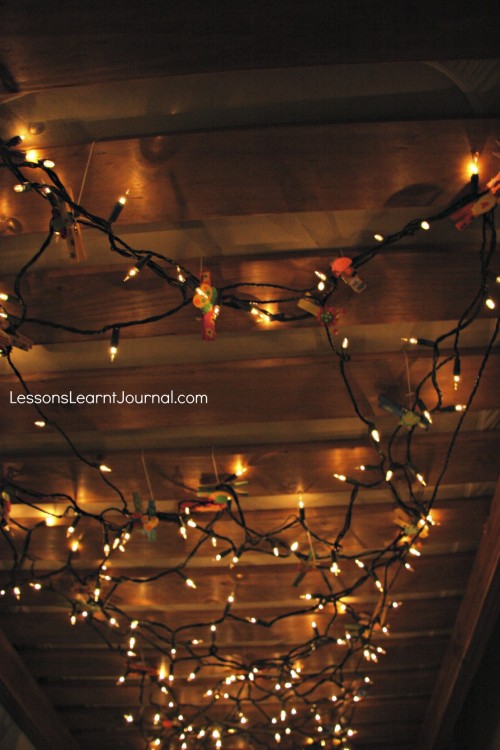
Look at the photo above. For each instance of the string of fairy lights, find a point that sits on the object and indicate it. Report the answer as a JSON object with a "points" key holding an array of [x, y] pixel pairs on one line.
{"points": [[307, 695]]}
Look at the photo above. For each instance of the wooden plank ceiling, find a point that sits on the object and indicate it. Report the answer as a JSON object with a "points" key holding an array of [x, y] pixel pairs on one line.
{"points": [[254, 193]]}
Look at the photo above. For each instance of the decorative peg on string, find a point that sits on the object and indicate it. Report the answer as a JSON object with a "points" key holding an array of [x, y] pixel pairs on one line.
{"points": [[407, 417], [64, 225], [324, 315], [10, 338], [150, 521], [343, 268], [205, 300], [465, 215]]}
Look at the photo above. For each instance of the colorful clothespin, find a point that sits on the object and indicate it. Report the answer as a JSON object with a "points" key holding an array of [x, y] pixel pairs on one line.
{"points": [[342, 268], [407, 525], [465, 215], [324, 315], [205, 300], [407, 417], [217, 493], [149, 520]]}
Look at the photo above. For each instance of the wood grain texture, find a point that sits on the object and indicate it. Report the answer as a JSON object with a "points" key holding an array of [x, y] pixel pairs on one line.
{"points": [[28, 706], [266, 170], [475, 621], [188, 39]]}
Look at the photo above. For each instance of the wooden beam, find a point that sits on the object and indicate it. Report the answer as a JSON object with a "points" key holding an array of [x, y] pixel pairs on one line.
{"points": [[475, 620], [212, 174], [28, 705], [98, 295], [50, 46]]}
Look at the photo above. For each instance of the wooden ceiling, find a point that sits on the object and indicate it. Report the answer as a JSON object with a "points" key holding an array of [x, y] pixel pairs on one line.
{"points": [[261, 144]]}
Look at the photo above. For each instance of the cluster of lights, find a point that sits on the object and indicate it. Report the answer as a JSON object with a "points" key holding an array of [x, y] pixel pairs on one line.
{"points": [[283, 680]]}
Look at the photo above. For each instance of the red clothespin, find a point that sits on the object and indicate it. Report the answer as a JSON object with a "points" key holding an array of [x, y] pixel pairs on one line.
{"points": [[205, 299], [343, 268], [465, 215]]}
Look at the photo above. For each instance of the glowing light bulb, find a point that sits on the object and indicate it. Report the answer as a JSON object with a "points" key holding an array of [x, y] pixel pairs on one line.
{"points": [[40, 423], [375, 435], [421, 479], [118, 207], [113, 346], [490, 303], [378, 237], [474, 167]]}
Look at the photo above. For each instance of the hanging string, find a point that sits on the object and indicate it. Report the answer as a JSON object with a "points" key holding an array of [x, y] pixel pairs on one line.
{"points": [[84, 179]]}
